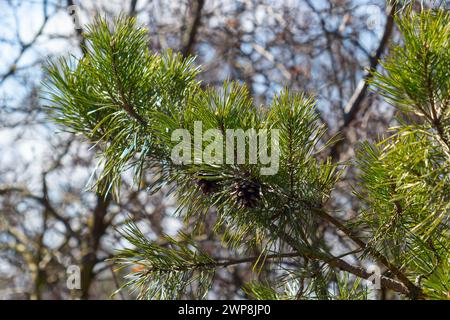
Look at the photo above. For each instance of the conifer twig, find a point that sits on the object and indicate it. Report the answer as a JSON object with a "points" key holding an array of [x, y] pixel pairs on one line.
{"points": [[125, 103], [223, 263], [336, 262], [414, 291]]}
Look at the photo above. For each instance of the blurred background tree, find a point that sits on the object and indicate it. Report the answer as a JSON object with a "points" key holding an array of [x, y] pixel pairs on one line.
{"points": [[49, 221]]}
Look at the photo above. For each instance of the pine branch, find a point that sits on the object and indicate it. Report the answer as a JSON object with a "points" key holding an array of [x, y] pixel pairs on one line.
{"points": [[219, 262], [413, 291], [161, 94], [125, 103], [345, 266]]}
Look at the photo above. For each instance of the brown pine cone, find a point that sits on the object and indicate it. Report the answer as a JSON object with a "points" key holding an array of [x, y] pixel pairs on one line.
{"points": [[246, 193]]}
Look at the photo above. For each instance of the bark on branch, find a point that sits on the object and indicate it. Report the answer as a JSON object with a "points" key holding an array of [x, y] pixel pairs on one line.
{"points": [[191, 34], [353, 106]]}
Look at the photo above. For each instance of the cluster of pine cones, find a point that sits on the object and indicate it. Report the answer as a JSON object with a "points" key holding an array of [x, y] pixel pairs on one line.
{"points": [[245, 192]]}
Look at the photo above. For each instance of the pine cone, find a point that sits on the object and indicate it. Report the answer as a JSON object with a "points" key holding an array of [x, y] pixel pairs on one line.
{"points": [[206, 185], [246, 193]]}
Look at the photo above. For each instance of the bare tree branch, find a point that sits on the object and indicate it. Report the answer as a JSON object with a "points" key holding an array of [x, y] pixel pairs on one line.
{"points": [[190, 36]]}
